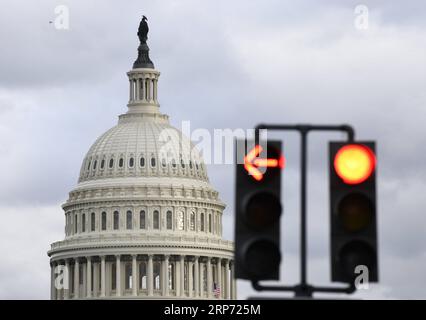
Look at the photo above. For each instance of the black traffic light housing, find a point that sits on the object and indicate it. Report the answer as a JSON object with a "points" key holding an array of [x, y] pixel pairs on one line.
{"points": [[353, 217], [258, 210]]}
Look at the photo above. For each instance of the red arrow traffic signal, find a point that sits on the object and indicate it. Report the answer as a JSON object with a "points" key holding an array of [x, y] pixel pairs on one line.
{"points": [[252, 162]]}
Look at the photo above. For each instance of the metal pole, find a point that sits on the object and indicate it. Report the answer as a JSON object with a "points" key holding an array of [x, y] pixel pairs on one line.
{"points": [[303, 253]]}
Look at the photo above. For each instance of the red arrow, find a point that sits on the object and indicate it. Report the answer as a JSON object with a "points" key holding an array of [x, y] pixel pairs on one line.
{"points": [[252, 163]]}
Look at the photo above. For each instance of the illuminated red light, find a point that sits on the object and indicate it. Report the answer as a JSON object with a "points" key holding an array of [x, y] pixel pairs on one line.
{"points": [[354, 163]]}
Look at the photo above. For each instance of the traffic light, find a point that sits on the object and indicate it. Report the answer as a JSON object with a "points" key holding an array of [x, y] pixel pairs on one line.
{"points": [[258, 210], [353, 210]]}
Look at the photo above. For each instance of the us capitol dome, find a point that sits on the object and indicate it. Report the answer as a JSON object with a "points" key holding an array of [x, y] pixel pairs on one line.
{"points": [[143, 221]]}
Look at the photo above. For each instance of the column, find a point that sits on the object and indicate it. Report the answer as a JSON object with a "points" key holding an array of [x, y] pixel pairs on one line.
{"points": [[52, 281], [201, 278], [89, 277], [134, 276], [197, 276], [182, 275], [150, 276], [209, 278], [137, 89], [67, 280], [76, 279], [190, 278], [131, 90], [219, 275], [117, 276], [233, 284], [154, 83], [103, 278], [177, 277], [227, 288], [166, 276], [95, 279]]}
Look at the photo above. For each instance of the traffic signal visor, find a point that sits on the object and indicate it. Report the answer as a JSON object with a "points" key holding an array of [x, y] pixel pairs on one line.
{"points": [[354, 163]]}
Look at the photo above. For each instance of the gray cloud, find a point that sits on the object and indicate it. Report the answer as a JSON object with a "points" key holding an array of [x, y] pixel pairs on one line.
{"points": [[224, 65]]}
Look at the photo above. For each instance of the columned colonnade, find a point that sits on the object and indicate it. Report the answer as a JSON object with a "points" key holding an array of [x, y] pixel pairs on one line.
{"points": [[156, 276]]}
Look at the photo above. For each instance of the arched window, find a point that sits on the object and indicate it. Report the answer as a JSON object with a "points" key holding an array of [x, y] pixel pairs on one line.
{"points": [[163, 162], [210, 223], [142, 275], [192, 220], [116, 220], [88, 165], [169, 220], [180, 220], [104, 218], [111, 163], [156, 220], [75, 224], [121, 162], [131, 162], [157, 268], [129, 220], [173, 163], [202, 221], [92, 222], [94, 164], [83, 223], [142, 162], [142, 219], [102, 163], [153, 162]]}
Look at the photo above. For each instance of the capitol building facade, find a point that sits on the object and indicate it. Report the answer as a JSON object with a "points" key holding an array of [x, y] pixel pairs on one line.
{"points": [[143, 221]]}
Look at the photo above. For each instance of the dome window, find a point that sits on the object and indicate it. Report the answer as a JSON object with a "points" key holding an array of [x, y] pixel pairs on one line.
{"points": [[163, 162], [103, 163], [142, 219], [92, 221], [94, 164], [142, 162], [156, 220], [131, 162], [104, 221], [182, 164], [190, 164], [116, 220], [173, 163], [129, 220], [202, 221], [169, 218], [153, 162], [121, 162], [111, 163], [88, 165]]}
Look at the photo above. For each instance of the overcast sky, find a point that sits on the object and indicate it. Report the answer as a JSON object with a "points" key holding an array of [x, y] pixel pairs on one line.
{"points": [[224, 64]]}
